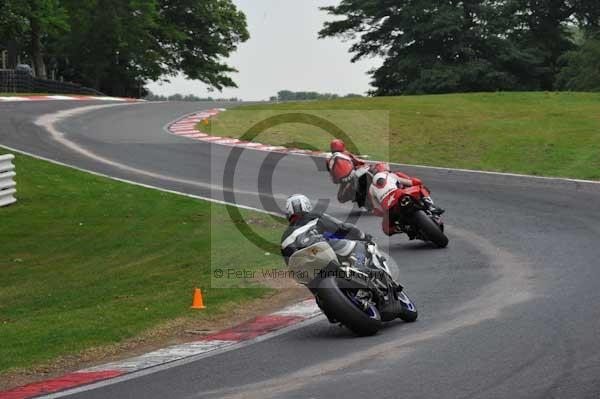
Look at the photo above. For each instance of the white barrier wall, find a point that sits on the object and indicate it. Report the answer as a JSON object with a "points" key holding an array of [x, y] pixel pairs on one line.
{"points": [[7, 182]]}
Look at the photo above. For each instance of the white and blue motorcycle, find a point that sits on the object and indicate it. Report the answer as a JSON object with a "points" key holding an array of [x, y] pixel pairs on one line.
{"points": [[359, 291]]}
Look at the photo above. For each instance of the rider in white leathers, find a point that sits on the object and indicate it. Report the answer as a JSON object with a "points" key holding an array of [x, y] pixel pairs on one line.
{"points": [[384, 186]]}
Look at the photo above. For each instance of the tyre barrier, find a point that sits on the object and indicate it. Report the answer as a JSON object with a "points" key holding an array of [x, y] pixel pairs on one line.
{"points": [[7, 182]]}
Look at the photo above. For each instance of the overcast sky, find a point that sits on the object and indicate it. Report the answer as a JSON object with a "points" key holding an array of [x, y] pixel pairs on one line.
{"points": [[284, 53]]}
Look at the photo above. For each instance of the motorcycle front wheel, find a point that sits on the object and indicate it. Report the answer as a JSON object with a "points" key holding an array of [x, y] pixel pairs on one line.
{"points": [[343, 307], [409, 311]]}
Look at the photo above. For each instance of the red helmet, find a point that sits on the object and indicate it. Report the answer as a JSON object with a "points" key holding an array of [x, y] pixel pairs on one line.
{"points": [[338, 145], [381, 167]]}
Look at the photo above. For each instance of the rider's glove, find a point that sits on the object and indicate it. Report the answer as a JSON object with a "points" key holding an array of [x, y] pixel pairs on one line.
{"points": [[368, 238]]}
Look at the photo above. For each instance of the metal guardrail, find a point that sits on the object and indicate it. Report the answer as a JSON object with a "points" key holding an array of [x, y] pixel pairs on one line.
{"points": [[7, 182]]}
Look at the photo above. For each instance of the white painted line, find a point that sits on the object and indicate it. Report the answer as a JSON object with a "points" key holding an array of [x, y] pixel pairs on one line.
{"points": [[304, 309], [184, 125], [299, 151], [11, 99], [185, 134], [188, 130], [162, 356], [250, 145], [107, 98], [273, 148], [61, 97], [194, 135], [227, 141]]}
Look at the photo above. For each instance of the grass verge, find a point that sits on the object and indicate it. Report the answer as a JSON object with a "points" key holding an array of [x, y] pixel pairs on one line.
{"points": [[86, 262], [550, 134]]}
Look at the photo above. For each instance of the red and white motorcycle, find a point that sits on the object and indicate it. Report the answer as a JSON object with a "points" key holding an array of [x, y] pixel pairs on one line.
{"points": [[406, 206]]}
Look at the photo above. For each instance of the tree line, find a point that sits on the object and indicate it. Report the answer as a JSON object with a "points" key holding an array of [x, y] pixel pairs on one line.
{"points": [[288, 95], [188, 97], [442, 46], [115, 46]]}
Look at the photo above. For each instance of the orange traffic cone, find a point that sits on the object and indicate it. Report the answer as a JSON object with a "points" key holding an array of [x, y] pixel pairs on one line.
{"points": [[198, 303]]}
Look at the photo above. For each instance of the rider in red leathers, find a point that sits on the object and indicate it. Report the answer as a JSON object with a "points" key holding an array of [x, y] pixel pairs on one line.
{"points": [[345, 170], [336, 165]]}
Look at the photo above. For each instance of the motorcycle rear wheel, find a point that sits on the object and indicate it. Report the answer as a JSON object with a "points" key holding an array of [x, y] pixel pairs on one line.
{"points": [[430, 229], [337, 303]]}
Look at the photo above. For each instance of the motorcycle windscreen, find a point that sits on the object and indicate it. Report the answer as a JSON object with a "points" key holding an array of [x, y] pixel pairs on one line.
{"points": [[306, 263]]}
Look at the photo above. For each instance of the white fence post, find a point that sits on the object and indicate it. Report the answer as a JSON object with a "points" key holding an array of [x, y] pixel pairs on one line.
{"points": [[7, 183]]}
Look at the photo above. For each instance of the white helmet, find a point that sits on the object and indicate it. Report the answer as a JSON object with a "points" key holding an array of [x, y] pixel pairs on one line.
{"points": [[297, 203]]}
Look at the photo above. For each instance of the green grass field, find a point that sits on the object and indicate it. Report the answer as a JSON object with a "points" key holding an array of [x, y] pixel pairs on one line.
{"points": [[86, 262], [551, 134]]}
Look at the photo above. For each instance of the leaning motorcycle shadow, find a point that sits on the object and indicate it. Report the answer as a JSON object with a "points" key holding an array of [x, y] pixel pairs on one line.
{"points": [[412, 246], [336, 332], [326, 331]]}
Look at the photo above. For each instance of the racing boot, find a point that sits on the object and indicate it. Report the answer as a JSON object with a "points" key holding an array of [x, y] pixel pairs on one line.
{"points": [[435, 210]]}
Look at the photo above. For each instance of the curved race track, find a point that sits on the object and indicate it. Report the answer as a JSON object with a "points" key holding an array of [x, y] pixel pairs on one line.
{"points": [[509, 310]]}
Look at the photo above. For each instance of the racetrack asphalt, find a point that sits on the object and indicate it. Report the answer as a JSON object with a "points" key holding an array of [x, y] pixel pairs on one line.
{"points": [[509, 309]]}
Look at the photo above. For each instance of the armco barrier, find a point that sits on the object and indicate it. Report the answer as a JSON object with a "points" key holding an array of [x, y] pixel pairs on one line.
{"points": [[7, 182]]}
